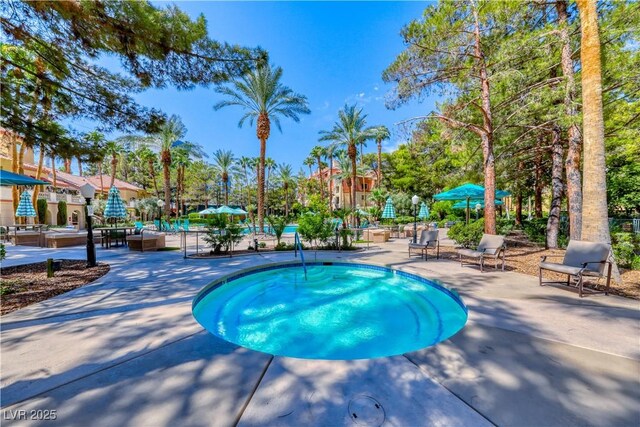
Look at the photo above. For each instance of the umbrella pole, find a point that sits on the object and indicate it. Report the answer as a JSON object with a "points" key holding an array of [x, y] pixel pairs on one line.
{"points": [[467, 210]]}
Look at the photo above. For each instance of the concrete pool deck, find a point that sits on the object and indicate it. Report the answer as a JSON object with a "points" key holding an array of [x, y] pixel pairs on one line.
{"points": [[125, 350]]}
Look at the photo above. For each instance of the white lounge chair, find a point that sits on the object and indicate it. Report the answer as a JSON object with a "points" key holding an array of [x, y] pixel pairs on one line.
{"points": [[581, 259], [428, 239], [490, 246]]}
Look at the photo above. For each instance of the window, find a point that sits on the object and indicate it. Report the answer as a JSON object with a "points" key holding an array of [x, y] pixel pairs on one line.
{"points": [[362, 197]]}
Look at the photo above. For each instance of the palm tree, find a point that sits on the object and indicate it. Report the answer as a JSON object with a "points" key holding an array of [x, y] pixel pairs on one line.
{"points": [[269, 164], [350, 131], [329, 152], [286, 178], [380, 134], [114, 149], [264, 99], [309, 162], [245, 163], [150, 158], [345, 175], [318, 152], [225, 163], [167, 138]]}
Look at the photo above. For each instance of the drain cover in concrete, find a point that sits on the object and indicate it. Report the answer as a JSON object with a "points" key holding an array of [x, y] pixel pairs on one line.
{"points": [[366, 411]]}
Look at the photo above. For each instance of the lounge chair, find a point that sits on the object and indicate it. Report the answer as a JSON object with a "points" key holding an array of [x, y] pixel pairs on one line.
{"points": [[581, 259], [157, 224], [428, 239], [166, 226], [490, 246], [185, 225], [139, 225]]}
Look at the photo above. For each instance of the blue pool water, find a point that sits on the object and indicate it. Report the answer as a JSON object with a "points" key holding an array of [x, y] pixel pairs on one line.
{"points": [[342, 311], [289, 229]]}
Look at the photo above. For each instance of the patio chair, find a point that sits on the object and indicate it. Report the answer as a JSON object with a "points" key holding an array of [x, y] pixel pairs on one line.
{"points": [[139, 225], [428, 239], [581, 259], [166, 226], [490, 246], [185, 225], [157, 224]]}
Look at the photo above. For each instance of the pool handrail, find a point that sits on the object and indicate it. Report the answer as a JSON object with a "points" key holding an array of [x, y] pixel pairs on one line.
{"points": [[298, 246]]}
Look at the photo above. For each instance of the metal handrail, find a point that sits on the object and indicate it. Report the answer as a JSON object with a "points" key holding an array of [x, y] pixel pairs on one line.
{"points": [[298, 246]]}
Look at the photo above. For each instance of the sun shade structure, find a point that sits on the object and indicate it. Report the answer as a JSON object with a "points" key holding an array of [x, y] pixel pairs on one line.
{"points": [[25, 207], [115, 206], [238, 211], [363, 213], [424, 211], [208, 211], [226, 210], [389, 211], [472, 204], [468, 192], [10, 178]]}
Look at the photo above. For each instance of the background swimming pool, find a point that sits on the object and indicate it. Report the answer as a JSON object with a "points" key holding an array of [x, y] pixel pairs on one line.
{"points": [[292, 228], [343, 311]]}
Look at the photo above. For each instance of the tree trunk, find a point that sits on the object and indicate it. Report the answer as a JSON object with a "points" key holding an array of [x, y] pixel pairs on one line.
{"points": [[79, 165], [53, 171], [553, 223], [320, 178], [574, 143], [101, 194], [152, 171], [114, 168], [36, 189], [595, 221], [519, 209], [330, 183], [67, 165], [487, 135], [167, 187], [226, 191], [379, 162], [14, 168], [352, 151], [538, 184], [263, 152]]}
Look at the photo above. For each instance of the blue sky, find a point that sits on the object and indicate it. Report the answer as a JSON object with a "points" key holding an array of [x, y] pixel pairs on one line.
{"points": [[332, 52]]}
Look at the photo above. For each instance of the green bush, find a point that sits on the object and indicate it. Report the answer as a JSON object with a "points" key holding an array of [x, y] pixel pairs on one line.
{"points": [[221, 234], [626, 249], [3, 251], [536, 230], [62, 213], [42, 210], [504, 226], [467, 235], [278, 224], [314, 228]]}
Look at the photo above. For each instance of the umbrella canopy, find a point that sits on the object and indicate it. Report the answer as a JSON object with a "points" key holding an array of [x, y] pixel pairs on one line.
{"points": [[471, 191], [424, 211], [115, 206], [226, 210], [25, 207], [238, 211], [10, 178], [389, 211], [472, 204], [208, 211], [363, 213]]}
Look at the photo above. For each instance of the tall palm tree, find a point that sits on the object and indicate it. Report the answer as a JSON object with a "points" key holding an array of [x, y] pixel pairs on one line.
{"points": [[318, 152], [225, 163], [309, 161], [168, 137], [264, 99], [244, 162], [286, 179], [350, 131], [380, 134], [595, 224], [329, 152], [114, 149], [149, 158], [269, 164], [345, 176]]}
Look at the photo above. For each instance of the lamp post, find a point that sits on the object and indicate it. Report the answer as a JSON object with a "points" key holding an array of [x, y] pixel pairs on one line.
{"points": [[88, 192], [160, 204], [414, 200], [478, 207]]}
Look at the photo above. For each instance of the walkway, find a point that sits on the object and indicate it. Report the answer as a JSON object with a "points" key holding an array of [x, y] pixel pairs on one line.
{"points": [[126, 350]]}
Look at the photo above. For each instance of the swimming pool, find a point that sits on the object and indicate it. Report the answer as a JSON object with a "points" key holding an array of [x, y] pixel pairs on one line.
{"points": [[289, 229], [342, 311]]}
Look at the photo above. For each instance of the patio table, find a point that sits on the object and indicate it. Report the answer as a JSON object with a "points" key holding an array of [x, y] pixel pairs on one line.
{"points": [[106, 234]]}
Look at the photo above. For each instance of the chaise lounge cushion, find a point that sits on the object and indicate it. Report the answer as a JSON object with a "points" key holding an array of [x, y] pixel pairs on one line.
{"points": [[560, 268]]}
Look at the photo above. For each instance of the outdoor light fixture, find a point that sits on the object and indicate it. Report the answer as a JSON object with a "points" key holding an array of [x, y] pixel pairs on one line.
{"points": [[414, 200], [88, 191], [160, 204], [478, 207]]}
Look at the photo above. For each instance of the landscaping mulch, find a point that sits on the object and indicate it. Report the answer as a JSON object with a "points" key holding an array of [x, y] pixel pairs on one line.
{"points": [[526, 258], [27, 284]]}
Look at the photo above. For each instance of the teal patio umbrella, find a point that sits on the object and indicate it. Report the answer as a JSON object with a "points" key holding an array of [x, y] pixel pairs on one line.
{"points": [[207, 211], [225, 210], [10, 178], [424, 211], [389, 211], [467, 192], [25, 207], [239, 211], [115, 206]]}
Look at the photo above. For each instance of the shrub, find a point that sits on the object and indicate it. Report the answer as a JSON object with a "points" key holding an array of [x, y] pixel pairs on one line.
{"points": [[221, 234], [467, 235], [42, 210], [277, 224], [62, 213], [625, 249], [3, 251], [314, 228], [536, 230], [505, 226]]}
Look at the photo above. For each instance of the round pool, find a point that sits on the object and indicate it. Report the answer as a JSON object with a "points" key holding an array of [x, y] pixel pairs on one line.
{"points": [[340, 311]]}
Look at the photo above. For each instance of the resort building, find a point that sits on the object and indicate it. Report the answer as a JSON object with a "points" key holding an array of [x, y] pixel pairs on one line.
{"points": [[341, 189], [65, 187]]}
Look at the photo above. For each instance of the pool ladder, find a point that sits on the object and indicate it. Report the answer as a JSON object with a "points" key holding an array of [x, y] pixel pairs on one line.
{"points": [[297, 246]]}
